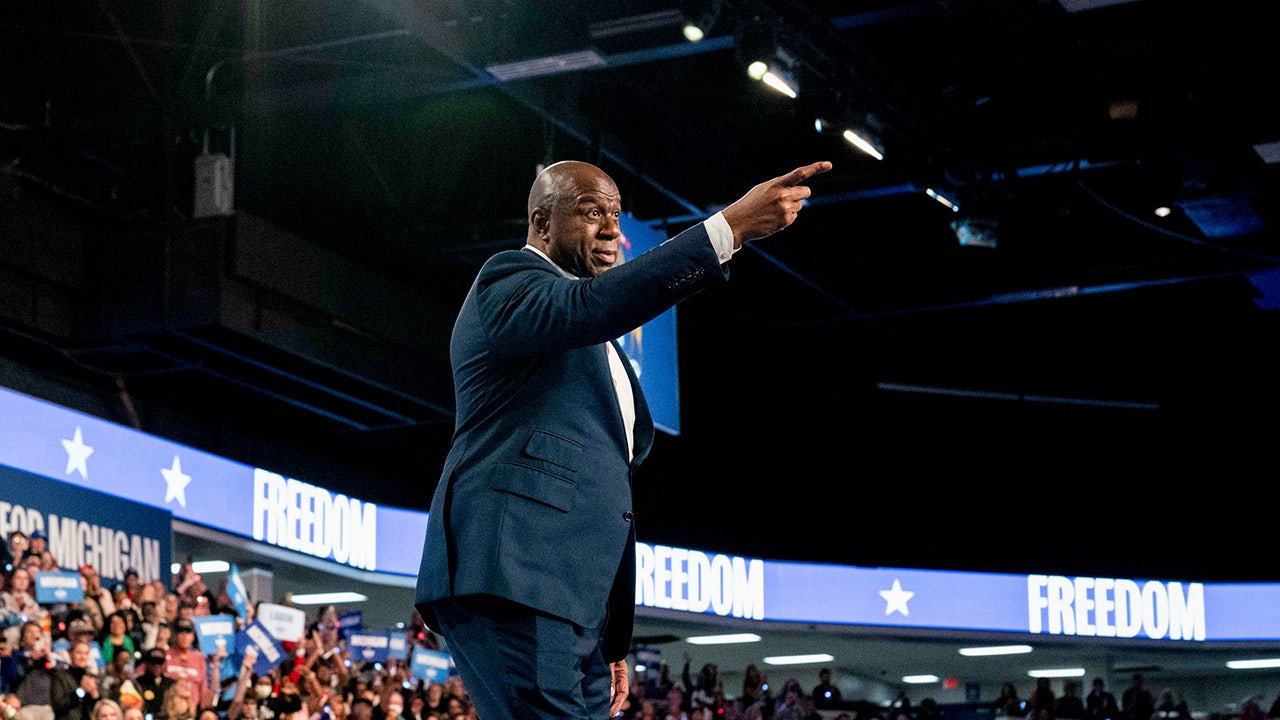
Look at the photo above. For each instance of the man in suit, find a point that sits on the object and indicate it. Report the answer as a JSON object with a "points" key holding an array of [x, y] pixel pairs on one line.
{"points": [[528, 569]]}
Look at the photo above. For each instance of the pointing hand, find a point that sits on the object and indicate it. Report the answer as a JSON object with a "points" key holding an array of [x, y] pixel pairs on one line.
{"points": [[772, 205]]}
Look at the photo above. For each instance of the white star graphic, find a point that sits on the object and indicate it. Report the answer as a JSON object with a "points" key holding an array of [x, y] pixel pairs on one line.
{"points": [[77, 454], [896, 599], [177, 481]]}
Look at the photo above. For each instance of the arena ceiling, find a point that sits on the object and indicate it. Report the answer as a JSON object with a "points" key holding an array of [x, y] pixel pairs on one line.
{"points": [[1085, 386]]}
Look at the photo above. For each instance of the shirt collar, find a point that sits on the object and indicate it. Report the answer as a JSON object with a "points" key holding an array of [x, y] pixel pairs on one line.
{"points": [[544, 256]]}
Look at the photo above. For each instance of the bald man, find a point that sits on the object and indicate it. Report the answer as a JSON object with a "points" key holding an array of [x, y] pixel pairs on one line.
{"points": [[528, 568]]}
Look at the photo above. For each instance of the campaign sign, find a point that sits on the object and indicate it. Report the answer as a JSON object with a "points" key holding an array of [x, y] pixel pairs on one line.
{"points": [[397, 646], [58, 587], [368, 646], [430, 665], [215, 632], [235, 590], [283, 622], [350, 621], [257, 639]]}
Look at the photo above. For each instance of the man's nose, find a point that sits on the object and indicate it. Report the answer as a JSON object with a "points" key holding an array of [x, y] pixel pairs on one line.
{"points": [[611, 226]]}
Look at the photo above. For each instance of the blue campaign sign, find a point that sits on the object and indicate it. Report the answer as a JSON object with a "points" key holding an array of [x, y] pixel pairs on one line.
{"points": [[368, 646], [349, 622], [213, 631], [430, 665], [651, 348], [86, 527], [397, 645], [256, 639], [236, 592], [58, 587]]}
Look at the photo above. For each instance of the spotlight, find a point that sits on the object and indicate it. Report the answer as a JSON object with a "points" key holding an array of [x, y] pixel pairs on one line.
{"points": [[943, 197], [765, 60], [865, 143], [782, 81], [700, 16]]}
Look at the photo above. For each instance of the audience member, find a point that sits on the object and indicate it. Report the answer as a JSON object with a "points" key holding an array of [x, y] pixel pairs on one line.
{"points": [[701, 692], [1042, 702], [73, 690], [106, 709], [1137, 702], [1172, 705], [97, 604], [1251, 710], [18, 605], [826, 696], [35, 667], [117, 639], [658, 684], [1070, 706], [1100, 704], [154, 682], [179, 703], [184, 662], [1009, 704]]}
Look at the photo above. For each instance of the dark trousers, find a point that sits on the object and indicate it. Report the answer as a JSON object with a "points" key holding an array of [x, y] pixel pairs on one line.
{"points": [[520, 664]]}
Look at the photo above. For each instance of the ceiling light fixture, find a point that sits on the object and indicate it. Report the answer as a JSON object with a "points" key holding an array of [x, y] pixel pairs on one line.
{"points": [[723, 639], [919, 679], [203, 567], [995, 650], [1057, 673], [329, 598], [1253, 664], [798, 659]]}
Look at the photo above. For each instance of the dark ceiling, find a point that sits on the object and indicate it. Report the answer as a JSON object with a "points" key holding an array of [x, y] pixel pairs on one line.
{"points": [[1094, 394]]}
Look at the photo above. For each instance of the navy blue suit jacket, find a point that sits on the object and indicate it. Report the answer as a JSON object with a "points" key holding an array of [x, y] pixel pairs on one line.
{"points": [[534, 501]]}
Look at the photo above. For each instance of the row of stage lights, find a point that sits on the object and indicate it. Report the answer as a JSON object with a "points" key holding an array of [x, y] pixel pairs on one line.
{"points": [[777, 72]]}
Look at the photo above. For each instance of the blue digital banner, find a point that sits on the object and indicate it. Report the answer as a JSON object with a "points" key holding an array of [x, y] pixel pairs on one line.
{"points": [[1114, 608], [652, 347], [84, 527], [430, 665], [91, 453], [68, 474]]}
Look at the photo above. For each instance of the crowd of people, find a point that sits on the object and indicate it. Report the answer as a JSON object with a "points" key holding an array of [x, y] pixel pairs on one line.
{"points": [[130, 652]]}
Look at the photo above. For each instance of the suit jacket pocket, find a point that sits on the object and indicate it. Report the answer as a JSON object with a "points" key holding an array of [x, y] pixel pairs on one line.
{"points": [[534, 484], [554, 449]]}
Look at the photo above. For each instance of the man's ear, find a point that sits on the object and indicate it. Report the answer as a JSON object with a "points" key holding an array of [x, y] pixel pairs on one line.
{"points": [[541, 221]]}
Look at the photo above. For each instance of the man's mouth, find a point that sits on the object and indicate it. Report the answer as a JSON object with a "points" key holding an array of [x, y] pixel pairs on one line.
{"points": [[606, 257]]}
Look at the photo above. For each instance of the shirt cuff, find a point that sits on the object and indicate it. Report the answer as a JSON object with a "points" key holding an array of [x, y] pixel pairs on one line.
{"points": [[721, 236]]}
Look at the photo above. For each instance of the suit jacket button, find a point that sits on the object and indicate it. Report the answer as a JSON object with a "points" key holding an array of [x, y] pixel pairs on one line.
{"points": [[628, 516]]}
